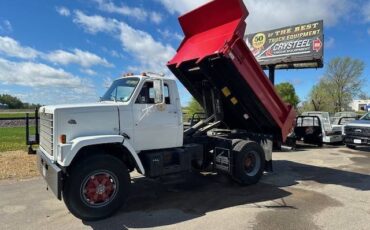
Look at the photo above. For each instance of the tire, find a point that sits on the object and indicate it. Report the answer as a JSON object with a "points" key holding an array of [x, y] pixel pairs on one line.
{"points": [[96, 187], [249, 162], [351, 146], [291, 142], [277, 145]]}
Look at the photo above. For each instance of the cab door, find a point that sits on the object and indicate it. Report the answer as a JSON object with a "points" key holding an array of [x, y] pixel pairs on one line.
{"points": [[155, 126]]}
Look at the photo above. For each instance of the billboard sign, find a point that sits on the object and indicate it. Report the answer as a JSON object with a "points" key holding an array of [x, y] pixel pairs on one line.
{"points": [[298, 46]]}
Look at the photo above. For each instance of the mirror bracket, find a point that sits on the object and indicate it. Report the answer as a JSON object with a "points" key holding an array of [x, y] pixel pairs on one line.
{"points": [[158, 91]]}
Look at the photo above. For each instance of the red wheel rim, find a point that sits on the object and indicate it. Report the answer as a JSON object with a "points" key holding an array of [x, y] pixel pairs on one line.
{"points": [[252, 163], [99, 188]]}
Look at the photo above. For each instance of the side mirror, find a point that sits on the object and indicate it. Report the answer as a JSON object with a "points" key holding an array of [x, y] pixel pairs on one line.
{"points": [[158, 91]]}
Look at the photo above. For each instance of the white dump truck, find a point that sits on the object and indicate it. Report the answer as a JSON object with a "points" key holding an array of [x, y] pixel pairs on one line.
{"points": [[87, 151]]}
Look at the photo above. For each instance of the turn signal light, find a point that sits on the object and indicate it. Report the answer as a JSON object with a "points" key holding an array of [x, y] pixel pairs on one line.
{"points": [[63, 139]]}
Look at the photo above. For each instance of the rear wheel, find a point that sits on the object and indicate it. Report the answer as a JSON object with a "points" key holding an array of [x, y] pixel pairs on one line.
{"points": [[96, 187], [249, 162]]}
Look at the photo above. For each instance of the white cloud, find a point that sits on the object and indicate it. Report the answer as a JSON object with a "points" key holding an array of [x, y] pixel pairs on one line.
{"points": [[151, 54], [5, 26], [52, 95], [167, 34], [156, 17], [64, 11], [107, 82], [12, 48], [82, 58], [48, 85], [366, 12], [94, 24], [35, 74], [270, 14], [135, 12], [181, 6], [115, 54], [330, 42], [88, 72]]}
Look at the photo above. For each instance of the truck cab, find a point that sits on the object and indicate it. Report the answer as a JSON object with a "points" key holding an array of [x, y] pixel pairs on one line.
{"points": [[130, 107], [357, 133]]}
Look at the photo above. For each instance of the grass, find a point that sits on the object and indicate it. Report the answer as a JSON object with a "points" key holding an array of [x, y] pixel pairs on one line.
{"points": [[12, 139], [15, 115]]}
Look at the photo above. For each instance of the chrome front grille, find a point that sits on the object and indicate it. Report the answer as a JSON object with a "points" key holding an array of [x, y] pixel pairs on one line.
{"points": [[46, 132], [357, 131]]}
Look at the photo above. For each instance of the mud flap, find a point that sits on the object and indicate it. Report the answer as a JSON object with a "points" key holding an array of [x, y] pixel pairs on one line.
{"points": [[267, 145]]}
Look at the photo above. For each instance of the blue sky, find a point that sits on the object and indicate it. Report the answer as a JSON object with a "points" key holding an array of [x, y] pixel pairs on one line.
{"points": [[69, 51]]}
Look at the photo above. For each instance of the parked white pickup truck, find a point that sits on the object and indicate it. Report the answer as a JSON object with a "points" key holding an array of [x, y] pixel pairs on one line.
{"points": [[329, 133], [357, 133]]}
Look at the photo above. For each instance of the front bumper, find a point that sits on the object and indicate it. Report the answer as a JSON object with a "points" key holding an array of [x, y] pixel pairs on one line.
{"points": [[51, 173], [357, 141], [333, 139]]}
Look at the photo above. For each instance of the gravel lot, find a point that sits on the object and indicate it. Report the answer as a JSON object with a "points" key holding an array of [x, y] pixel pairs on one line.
{"points": [[15, 123], [17, 165], [314, 188]]}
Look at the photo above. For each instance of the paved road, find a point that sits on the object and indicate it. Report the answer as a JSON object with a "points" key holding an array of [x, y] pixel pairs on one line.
{"points": [[310, 189]]}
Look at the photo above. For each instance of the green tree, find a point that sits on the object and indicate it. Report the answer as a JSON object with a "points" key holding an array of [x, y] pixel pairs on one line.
{"points": [[12, 102], [320, 99], [194, 107], [16, 103], [287, 93], [341, 83], [344, 79]]}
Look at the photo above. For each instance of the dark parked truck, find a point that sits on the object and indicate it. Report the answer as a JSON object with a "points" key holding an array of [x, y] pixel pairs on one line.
{"points": [[87, 151], [357, 133]]}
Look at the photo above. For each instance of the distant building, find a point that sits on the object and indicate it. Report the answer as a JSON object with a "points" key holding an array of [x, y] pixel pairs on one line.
{"points": [[360, 105], [3, 106]]}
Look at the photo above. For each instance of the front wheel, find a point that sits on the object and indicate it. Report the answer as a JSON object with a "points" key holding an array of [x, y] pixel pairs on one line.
{"points": [[96, 187]]}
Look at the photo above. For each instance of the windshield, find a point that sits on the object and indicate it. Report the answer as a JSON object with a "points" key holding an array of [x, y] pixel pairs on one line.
{"points": [[121, 90], [366, 117]]}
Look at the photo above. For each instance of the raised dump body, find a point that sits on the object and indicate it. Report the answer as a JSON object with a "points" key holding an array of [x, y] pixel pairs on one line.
{"points": [[214, 63]]}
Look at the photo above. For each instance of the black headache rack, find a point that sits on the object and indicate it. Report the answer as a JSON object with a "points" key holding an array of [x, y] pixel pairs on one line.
{"points": [[345, 120], [309, 129], [32, 137]]}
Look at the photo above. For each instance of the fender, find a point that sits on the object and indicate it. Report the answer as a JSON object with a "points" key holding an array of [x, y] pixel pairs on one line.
{"points": [[135, 156], [67, 152]]}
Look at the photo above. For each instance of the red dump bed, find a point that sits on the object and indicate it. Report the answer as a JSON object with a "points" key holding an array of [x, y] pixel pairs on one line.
{"points": [[214, 54]]}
